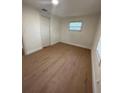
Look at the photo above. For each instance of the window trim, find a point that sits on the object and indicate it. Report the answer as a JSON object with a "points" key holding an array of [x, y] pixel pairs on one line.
{"points": [[82, 26]]}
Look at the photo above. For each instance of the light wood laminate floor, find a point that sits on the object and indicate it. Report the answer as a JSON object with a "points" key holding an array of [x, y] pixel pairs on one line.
{"points": [[60, 68]]}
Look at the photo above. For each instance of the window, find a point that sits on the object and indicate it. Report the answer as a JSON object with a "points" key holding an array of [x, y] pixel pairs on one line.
{"points": [[98, 50], [75, 26]]}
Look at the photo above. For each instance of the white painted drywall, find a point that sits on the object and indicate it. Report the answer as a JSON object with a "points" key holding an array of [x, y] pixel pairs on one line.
{"points": [[83, 38], [96, 68], [31, 29], [55, 29]]}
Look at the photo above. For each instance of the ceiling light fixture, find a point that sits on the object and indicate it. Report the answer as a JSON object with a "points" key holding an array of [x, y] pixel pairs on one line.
{"points": [[55, 2]]}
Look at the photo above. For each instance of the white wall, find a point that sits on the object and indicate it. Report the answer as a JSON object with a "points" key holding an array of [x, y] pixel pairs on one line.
{"points": [[55, 29], [96, 69], [38, 31], [83, 38], [31, 29]]}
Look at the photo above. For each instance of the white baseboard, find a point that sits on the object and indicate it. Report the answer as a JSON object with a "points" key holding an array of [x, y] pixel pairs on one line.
{"points": [[77, 45], [32, 51], [54, 43]]}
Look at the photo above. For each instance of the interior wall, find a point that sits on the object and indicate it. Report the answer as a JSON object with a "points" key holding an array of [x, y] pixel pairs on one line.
{"points": [[55, 28], [31, 29], [33, 35], [96, 68], [84, 38], [34, 26]]}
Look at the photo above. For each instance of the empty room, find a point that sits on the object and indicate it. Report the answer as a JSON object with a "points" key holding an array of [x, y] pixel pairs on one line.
{"points": [[61, 46]]}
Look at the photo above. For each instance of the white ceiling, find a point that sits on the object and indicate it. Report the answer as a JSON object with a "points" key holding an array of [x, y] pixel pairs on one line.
{"points": [[67, 8]]}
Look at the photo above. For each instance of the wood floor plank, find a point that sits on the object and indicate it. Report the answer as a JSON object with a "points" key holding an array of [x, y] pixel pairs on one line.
{"points": [[60, 68]]}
